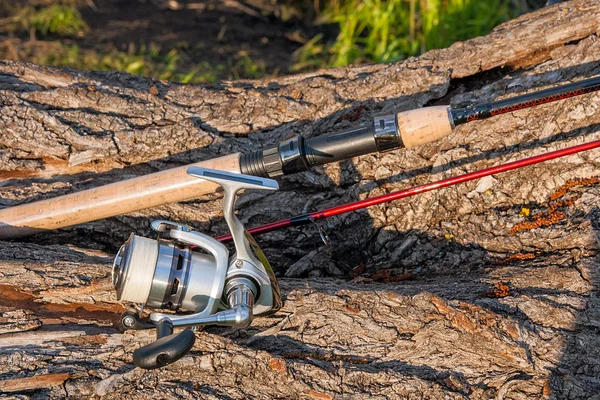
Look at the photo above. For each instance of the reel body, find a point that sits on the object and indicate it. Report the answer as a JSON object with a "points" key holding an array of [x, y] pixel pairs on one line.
{"points": [[194, 275]]}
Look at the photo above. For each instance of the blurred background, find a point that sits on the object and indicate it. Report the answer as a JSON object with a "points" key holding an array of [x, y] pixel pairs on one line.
{"points": [[195, 41]]}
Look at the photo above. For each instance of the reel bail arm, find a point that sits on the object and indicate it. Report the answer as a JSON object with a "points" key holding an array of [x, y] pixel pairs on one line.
{"points": [[216, 288]]}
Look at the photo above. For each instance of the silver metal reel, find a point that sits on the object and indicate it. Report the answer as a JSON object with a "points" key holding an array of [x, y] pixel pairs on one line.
{"points": [[191, 271]]}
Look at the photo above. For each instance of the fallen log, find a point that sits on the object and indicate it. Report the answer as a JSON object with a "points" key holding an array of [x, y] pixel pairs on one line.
{"points": [[484, 290]]}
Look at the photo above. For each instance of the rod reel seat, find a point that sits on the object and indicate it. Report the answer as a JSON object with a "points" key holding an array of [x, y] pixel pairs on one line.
{"points": [[194, 276]]}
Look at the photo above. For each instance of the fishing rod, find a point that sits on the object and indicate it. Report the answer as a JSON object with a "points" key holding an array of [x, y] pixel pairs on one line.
{"points": [[307, 218], [184, 270], [384, 133], [194, 276]]}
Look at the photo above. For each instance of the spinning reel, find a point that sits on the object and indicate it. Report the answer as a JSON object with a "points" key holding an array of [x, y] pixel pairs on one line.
{"points": [[187, 270]]}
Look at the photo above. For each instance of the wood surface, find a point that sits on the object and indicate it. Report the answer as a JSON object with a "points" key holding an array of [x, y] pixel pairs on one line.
{"points": [[487, 290]]}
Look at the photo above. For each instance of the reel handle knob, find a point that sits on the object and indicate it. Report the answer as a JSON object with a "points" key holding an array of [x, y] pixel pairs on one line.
{"points": [[167, 349]]}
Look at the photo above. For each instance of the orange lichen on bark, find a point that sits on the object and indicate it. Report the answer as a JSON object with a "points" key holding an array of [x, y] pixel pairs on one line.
{"points": [[552, 215], [549, 217], [464, 323], [514, 258], [319, 395], [278, 364], [571, 183], [385, 275], [501, 290], [543, 220]]}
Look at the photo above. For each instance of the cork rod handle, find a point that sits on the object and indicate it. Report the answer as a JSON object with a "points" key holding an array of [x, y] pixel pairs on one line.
{"points": [[424, 125], [116, 198]]}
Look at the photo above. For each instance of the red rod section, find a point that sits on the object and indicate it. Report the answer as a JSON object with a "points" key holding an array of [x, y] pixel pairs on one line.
{"points": [[453, 180], [273, 226], [307, 218]]}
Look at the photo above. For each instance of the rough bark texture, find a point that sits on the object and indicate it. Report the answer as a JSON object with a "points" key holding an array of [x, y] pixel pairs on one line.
{"points": [[448, 295]]}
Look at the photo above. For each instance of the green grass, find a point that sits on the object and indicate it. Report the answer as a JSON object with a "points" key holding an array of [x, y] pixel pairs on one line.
{"points": [[149, 61], [247, 68], [369, 31], [57, 19], [385, 31]]}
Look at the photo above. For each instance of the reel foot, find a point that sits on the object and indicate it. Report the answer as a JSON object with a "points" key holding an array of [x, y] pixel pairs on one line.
{"points": [[131, 321]]}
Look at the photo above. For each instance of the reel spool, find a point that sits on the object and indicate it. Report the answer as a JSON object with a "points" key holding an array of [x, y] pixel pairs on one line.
{"points": [[187, 271]]}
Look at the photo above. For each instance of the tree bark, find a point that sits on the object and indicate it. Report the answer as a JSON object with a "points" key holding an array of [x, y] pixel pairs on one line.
{"points": [[483, 290]]}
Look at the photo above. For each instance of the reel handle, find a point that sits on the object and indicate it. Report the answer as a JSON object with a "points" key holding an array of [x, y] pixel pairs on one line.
{"points": [[167, 349]]}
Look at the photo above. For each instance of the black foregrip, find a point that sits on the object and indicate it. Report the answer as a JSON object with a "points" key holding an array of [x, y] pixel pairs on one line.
{"points": [[298, 154], [340, 146], [165, 350]]}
